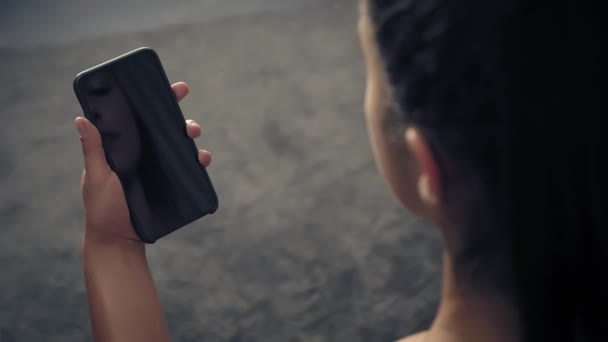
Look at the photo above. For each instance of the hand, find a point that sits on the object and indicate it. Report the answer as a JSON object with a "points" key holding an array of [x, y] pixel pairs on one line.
{"points": [[106, 211]]}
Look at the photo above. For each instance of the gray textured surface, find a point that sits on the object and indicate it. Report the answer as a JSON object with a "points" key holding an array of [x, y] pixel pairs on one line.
{"points": [[307, 245], [34, 22]]}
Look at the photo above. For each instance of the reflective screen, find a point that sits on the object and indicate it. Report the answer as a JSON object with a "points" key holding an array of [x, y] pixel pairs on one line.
{"points": [[144, 137]]}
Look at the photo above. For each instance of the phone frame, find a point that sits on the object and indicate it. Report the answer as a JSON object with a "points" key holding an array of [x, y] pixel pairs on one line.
{"points": [[87, 113]]}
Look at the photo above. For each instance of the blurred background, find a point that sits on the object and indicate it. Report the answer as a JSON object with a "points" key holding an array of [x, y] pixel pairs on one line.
{"points": [[307, 245]]}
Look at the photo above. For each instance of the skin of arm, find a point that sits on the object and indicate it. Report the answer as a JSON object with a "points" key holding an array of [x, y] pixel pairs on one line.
{"points": [[123, 301]]}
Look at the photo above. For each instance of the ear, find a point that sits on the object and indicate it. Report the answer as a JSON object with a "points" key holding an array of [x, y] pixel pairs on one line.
{"points": [[429, 177]]}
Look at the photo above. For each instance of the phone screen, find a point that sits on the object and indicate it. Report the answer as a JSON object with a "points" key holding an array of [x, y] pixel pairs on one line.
{"points": [[131, 103]]}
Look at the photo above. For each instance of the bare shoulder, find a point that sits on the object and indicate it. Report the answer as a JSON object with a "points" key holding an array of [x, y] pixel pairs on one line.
{"points": [[419, 337]]}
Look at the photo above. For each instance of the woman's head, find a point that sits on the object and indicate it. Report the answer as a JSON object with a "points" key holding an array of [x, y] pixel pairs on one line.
{"points": [[481, 121], [436, 108]]}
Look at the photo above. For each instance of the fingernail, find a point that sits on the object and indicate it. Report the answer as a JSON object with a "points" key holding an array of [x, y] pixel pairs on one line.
{"points": [[190, 122], [81, 126]]}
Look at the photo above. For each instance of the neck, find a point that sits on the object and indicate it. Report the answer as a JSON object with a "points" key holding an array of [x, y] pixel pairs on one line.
{"points": [[471, 314]]}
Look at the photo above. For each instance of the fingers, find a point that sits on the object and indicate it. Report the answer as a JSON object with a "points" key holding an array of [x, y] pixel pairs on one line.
{"points": [[193, 129], [204, 157], [180, 89], [95, 162]]}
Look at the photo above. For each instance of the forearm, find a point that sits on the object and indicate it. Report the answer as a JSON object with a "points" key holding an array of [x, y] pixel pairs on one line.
{"points": [[123, 302]]}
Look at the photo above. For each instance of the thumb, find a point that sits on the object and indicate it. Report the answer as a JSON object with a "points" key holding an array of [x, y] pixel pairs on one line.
{"points": [[94, 157]]}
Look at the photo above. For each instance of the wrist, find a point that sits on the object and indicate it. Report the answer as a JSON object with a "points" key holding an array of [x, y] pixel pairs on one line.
{"points": [[94, 240], [102, 254]]}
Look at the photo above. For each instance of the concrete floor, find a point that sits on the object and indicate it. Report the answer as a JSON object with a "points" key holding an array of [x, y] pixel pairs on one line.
{"points": [[38, 22], [307, 245]]}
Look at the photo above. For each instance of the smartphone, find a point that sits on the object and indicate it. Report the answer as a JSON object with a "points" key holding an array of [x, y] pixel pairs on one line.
{"points": [[130, 101]]}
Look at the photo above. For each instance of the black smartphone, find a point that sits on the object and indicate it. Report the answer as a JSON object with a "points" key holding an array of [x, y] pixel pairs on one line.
{"points": [[130, 101]]}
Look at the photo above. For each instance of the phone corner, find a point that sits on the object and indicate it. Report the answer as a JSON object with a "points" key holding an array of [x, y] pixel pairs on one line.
{"points": [[141, 233], [76, 82], [147, 49], [216, 204], [145, 238]]}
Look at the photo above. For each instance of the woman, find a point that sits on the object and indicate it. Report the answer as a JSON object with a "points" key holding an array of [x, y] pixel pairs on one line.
{"points": [[481, 122]]}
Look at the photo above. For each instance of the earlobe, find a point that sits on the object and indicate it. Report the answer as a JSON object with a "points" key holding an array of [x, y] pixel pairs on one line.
{"points": [[426, 192], [428, 170]]}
